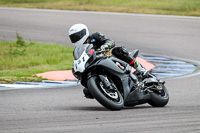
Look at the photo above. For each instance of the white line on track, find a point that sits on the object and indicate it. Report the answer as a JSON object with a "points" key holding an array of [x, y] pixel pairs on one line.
{"points": [[102, 13]]}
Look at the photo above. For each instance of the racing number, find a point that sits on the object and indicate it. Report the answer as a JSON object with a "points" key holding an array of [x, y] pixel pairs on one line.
{"points": [[78, 62]]}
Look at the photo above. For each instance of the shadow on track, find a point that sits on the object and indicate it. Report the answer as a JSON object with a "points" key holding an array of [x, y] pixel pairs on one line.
{"points": [[98, 108]]}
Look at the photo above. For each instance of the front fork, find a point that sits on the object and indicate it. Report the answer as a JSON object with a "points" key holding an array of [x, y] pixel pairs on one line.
{"points": [[105, 81]]}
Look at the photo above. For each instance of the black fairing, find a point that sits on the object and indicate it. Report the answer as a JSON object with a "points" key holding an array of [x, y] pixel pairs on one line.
{"points": [[136, 97], [111, 68], [108, 67]]}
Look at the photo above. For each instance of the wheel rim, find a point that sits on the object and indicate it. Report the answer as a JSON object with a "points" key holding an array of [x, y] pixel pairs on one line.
{"points": [[111, 93]]}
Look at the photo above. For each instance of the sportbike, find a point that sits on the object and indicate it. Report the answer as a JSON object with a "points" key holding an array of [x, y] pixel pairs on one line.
{"points": [[111, 81]]}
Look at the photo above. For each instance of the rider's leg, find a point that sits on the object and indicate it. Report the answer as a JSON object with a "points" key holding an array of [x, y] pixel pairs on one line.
{"points": [[135, 64], [123, 54]]}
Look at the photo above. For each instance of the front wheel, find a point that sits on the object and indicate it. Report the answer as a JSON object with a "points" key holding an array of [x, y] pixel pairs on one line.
{"points": [[109, 98], [159, 98]]}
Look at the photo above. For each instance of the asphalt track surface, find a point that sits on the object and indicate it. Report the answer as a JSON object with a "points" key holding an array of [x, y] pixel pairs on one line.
{"points": [[66, 110]]}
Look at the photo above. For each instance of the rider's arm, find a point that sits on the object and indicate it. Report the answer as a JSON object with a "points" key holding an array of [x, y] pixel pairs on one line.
{"points": [[104, 40]]}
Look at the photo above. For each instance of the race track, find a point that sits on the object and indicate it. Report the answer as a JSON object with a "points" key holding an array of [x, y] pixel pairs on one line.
{"points": [[66, 110]]}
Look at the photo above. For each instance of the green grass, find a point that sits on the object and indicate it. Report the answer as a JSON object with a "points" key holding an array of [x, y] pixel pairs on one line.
{"points": [[169, 7], [36, 58]]}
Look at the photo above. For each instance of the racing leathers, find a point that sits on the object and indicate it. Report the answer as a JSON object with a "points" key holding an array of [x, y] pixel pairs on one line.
{"points": [[100, 41]]}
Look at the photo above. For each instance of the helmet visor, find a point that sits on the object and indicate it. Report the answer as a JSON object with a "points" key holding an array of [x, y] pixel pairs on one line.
{"points": [[77, 36]]}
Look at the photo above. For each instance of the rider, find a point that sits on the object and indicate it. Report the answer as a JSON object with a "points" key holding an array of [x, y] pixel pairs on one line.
{"points": [[79, 34]]}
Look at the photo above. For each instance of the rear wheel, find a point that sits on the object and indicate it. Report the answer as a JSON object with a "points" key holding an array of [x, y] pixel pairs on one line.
{"points": [[160, 97], [110, 97]]}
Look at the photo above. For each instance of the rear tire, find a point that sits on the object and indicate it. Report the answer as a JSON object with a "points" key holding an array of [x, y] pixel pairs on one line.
{"points": [[104, 99], [159, 99]]}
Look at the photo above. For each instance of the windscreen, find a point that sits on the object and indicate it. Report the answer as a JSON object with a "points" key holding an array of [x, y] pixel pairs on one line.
{"points": [[79, 50]]}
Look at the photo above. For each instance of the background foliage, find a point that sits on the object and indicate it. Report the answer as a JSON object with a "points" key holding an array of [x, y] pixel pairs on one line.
{"points": [[172, 7]]}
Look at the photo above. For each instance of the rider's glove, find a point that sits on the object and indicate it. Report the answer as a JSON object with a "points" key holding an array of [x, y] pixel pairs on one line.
{"points": [[104, 47]]}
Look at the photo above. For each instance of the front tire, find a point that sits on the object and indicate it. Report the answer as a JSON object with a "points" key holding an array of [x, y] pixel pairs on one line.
{"points": [[159, 98], [112, 103]]}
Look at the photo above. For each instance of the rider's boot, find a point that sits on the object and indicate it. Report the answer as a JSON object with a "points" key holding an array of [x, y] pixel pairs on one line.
{"points": [[139, 68], [87, 93]]}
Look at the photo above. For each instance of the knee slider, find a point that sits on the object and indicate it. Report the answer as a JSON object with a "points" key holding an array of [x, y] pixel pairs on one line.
{"points": [[124, 51]]}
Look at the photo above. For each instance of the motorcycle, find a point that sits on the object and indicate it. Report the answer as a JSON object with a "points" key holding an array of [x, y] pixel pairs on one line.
{"points": [[111, 81]]}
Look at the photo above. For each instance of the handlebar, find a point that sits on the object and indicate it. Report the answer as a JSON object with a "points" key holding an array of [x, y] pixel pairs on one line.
{"points": [[99, 51]]}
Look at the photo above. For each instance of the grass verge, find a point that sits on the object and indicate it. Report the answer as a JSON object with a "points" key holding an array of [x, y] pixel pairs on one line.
{"points": [[167, 7], [20, 63]]}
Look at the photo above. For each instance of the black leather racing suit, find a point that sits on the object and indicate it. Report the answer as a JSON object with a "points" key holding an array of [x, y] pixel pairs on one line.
{"points": [[98, 39]]}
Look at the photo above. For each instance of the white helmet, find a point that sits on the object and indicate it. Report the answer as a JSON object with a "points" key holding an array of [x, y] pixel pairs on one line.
{"points": [[78, 34]]}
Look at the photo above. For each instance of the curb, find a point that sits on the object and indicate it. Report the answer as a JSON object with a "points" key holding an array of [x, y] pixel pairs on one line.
{"points": [[63, 78], [165, 68], [43, 84]]}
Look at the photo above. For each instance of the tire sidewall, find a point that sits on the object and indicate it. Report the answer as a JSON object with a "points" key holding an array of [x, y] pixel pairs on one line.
{"points": [[159, 101]]}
